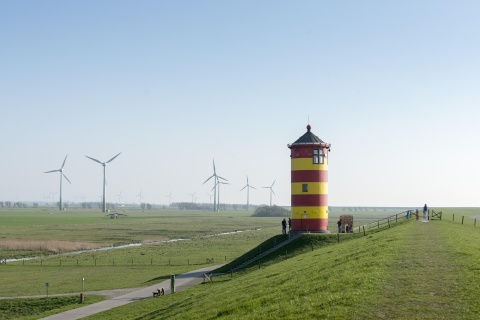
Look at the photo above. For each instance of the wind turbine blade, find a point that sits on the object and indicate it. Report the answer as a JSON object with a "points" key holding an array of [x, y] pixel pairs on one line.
{"points": [[252, 187], [273, 191], [51, 171], [66, 177], [94, 159], [214, 167], [221, 178], [243, 187], [64, 162], [208, 179], [273, 182], [247, 180], [113, 158]]}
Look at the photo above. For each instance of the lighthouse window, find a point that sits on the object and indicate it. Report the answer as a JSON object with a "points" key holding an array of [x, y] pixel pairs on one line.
{"points": [[304, 187], [318, 156]]}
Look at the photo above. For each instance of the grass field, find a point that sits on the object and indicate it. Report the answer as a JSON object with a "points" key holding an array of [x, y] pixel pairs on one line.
{"points": [[151, 263], [418, 270]]}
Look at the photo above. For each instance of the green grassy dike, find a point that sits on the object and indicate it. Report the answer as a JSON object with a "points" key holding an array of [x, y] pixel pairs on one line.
{"points": [[417, 270]]}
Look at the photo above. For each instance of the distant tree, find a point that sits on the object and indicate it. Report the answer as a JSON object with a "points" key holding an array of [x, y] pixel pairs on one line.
{"points": [[142, 205], [271, 211], [84, 205], [149, 206], [1, 204], [8, 204]]}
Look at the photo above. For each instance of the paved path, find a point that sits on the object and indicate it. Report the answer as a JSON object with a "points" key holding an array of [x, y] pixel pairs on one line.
{"points": [[182, 282]]}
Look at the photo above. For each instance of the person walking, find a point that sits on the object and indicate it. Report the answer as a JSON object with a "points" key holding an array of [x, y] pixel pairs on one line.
{"points": [[289, 224], [339, 224], [425, 209]]}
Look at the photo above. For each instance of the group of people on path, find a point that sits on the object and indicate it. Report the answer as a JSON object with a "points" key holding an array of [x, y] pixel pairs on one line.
{"points": [[284, 225]]}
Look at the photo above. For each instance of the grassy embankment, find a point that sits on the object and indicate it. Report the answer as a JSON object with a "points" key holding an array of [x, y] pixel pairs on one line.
{"points": [[418, 270], [67, 274]]}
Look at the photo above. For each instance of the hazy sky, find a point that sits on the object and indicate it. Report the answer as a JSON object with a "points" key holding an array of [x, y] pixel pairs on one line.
{"points": [[392, 85]]}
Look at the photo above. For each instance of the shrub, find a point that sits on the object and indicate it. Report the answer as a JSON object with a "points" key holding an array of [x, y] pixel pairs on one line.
{"points": [[271, 211]]}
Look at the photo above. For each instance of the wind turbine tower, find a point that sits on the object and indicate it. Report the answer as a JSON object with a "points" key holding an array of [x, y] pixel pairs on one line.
{"points": [[248, 186], [104, 164], [62, 175], [271, 191], [169, 196], [216, 181]]}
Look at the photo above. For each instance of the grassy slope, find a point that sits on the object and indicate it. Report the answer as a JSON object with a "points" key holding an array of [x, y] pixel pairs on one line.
{"points": [[419, 270]]}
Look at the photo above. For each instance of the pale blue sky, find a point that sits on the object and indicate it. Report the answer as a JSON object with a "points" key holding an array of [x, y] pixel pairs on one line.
{"points": [[392, 85]]}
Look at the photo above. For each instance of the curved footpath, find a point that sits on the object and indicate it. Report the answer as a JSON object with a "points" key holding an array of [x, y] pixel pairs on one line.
{"points": [[182, 282]]}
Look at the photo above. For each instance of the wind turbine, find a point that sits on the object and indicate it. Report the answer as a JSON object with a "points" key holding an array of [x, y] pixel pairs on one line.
{"points": [[140, 195], [215, 180], [104, 164], [169, 196], [248, 186], [219, 183], [60, 205], [119, 196], [193, 196], [271, 191], [210, 196]]}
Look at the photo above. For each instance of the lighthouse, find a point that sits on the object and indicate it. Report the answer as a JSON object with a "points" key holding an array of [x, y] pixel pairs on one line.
{"points": [[309, 183]]}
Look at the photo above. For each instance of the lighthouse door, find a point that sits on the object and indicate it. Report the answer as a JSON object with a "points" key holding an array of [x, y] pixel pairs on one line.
{"points": [[304, 221]]}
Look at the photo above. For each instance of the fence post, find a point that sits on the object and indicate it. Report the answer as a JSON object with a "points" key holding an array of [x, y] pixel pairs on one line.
{"points": [[338, 237], [363, 230], [475, 222], [453, 216], [462, 218], [389, 222]]}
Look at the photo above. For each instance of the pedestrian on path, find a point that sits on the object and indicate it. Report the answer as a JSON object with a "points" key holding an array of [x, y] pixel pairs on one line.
{"points": [[284, 226], [339, 224], [425, 209]]}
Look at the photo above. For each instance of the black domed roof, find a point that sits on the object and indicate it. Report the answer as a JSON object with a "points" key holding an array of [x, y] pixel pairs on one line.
{"points": [[308, 138]]}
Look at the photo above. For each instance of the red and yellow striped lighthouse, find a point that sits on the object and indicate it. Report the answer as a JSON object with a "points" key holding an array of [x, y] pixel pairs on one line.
{"points": [[309, 167]]}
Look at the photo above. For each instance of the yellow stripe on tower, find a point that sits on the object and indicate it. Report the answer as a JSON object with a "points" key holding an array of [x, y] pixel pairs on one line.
{"points": [[307, 164], [313, 188], [310, 212]]}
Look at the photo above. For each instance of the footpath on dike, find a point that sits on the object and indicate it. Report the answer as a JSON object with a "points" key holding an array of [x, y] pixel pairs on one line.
{"points": [[182, 282]]}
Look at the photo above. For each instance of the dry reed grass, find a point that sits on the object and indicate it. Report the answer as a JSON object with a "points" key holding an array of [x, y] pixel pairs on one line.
{"points": [[47, 245]]}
